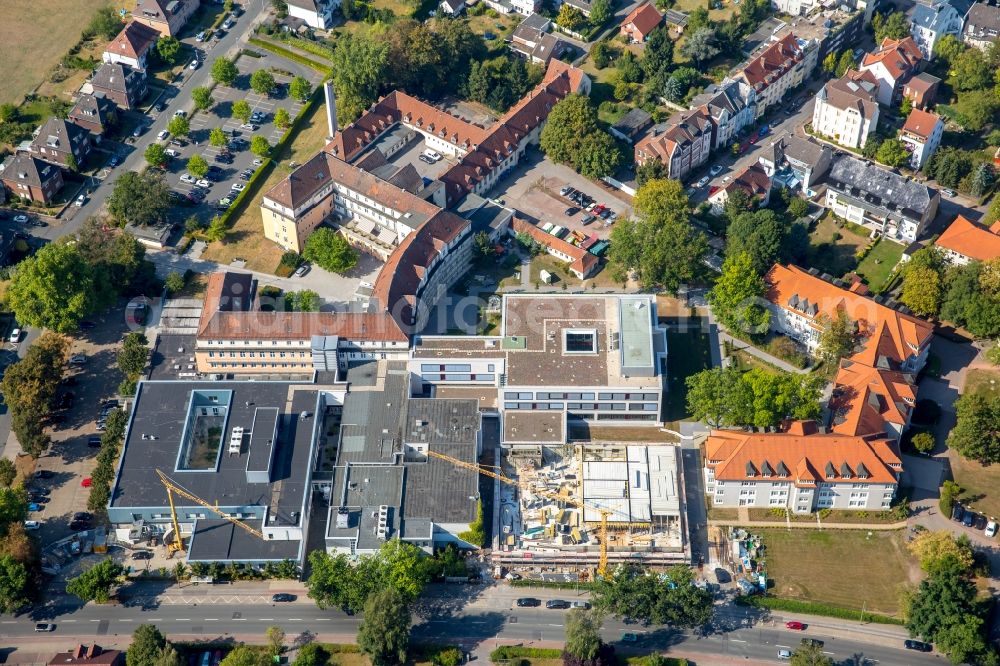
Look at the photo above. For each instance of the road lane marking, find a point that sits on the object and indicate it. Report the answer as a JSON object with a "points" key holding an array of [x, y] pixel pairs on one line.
{"points": [[295, 619], [211, 619], [183, 619], [737, 640]]}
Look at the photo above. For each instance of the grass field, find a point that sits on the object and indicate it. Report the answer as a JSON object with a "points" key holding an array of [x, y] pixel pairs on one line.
{"points": [[877, 266], [846, 568], [830, 253], [246, 236], [34, 36]]}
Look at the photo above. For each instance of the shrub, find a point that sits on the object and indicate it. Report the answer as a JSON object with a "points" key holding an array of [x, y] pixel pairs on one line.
{"points": [[814, 608]]}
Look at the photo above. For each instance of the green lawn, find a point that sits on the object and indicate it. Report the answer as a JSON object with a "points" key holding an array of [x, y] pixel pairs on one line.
{"points": [[687, 353], [845, 568], [877, 266], [832, 247]]}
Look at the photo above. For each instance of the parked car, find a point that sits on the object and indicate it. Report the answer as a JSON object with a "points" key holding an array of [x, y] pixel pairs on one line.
{"points": [[21, 219], [630, 637], [82, 515], [142, 555], [970, 519], [228, 24], [558, 604], [250, 127], [202, 182], [247, 174], [171, 153], [282, 597], [34, 506], [958, 513], [114, 161], [32, 525], [991, 529], [784, 654], [585, 605], [702, 182], [77, 359], [224, 158], [162, 134], [795, 624], [948, 192], [180, 143], [80, 200], [528, 602], [919, 646], [15, 335], [257, 117], [200, 37], [43, 474], [433, 154], [423, 158], [302, 270], [257, 162], [94, 442], [715, 170], [571, 211], [180, 113], [188, 178], [139, 130], [45, 626], [587, 219]]}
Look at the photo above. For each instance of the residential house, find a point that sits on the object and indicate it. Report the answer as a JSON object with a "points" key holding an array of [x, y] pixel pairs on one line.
{"points": [[871, 401], [682, 144], [317, 14], [895, 61], [921, 90], [583, 5], [982, 25], [532, 40], [933, 19], [921, 135], [582, 263], [630, 126], [846, 109], [800, 470], [753, 181], [62, 142], [451, 7], [643, 20], [94, 112], [124, 85], [167, 17], [525, 7], [30, 178], [801, 302], [88, 655], [800, 162], [964, 241], [131, 46], [882, 200], [783, 65], [731, 106]]}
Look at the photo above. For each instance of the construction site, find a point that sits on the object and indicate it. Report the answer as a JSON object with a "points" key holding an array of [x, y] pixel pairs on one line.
{"points": [[573, 510]]}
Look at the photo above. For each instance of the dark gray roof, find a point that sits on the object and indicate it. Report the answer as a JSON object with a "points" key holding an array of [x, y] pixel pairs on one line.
{"points": [[983, 21], [878, 186], [24, 168], [60, 133], [437, 421], [218, 540], [115, 76], [632, 122], [153, 442], [536, 21]]}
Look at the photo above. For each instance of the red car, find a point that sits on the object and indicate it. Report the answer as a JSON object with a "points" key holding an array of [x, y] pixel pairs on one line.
{"points": [[86, 482], [797, 626]]}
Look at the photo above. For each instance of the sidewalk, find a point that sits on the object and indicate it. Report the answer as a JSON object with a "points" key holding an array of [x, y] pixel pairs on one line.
{"points": [[809, 525]]}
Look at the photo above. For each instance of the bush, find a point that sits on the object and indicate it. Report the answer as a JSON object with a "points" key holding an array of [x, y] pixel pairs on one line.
{"points": [[814, 608], [505, 652], [923, 442], [551, 584], [786, 349]]}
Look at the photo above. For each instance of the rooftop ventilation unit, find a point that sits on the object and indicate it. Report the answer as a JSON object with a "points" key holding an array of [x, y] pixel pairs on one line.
{"points": [[342, 517], [236, 440], [382, 527]]}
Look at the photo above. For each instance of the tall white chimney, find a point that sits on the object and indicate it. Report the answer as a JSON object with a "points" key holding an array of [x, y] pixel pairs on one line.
{"points": [[331, 109]]}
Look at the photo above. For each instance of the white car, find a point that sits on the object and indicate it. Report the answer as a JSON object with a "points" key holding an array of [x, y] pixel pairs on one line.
{"points": [[193, 64], [237, 187], [204, 183], [715, 170], [200, 37], [172, 153], [163, 135], [991, 529], [250, 127], [32, 525], [80, 200], [21, 219], [257, 162], [434, 155], [15, 335], [188, 178], [181, 112], [703, 182]]}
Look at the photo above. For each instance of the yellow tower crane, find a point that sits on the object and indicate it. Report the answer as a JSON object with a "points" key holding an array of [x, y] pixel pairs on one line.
{"points": [[602, 566], [172, 487]]}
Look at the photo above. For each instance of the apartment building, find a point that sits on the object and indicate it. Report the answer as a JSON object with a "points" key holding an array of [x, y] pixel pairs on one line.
{"points": [[964, 241], [682, 144], [933, 19], [801, 470], [921, 89], [30, 178], [805, 161], [131, 46], [846, 109], [895, 61], [597, 358], [167, 17], [122, 84], [982, 25], [62, 142], [871, 401], [781, 66], [316, 14], [533, 41], [881, 200], [921, 135], [95, 113], [730, 105], [801, 302]]}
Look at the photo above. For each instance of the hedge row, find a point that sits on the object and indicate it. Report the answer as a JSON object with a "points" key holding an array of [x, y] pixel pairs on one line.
{"points": [[815, 608], [315, 48], [553, 584], [515, 651], [290, 55]]}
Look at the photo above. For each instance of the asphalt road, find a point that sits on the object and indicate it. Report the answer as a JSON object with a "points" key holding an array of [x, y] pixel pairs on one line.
{"points": [[477, 618]]}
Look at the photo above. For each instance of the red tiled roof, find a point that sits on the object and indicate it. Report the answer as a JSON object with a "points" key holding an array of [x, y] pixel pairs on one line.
{"points": [[733, 454], [753, 180], [921, 123], [643, 19], [899, 56], [773, 63], [890, 333], [133, 41], [865, 398], [583, 262], [970, 240], [682, 128]]}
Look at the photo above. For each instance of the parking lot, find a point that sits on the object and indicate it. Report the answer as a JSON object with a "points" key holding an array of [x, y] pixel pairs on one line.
{"points": [[533, 189]]}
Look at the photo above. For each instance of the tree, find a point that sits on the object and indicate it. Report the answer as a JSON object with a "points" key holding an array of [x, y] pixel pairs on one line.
{"points": [[970, 71], [139, 198], [905, 107], [179, 126], [147, 644], [797, 209], [281, 119], [300, 88], [484, 246], [948, 47], [976, 434], [700, 46], [174, 282], [275, 640], [156, 155], [55, 289], [571, 18], [259, 146], [311, 654], [281, 7], [330, 250], [758, 398], [933, 548], [134, 354], [600, 12], [302, 301], [197, 166], [218, 138], [891, 152], [216, 230], [104, 24], [384, 634], [224, 71], [836, 339], [760, 234], [982, 179], [169, 656], [359, 64], [737, 298], [650, 170], [241, 110], [922, 290], [97, 582], [8, 472], [498, 82], [8, 112], [659, 247], [335, 581], [262, 82], [583, 633], [830, 62], [13, 584], [168, 48], [668, 597], [894, 26], [975, 108], [844, 63], [810, 654], [923, 442], [245, 655], [202, 97]]}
